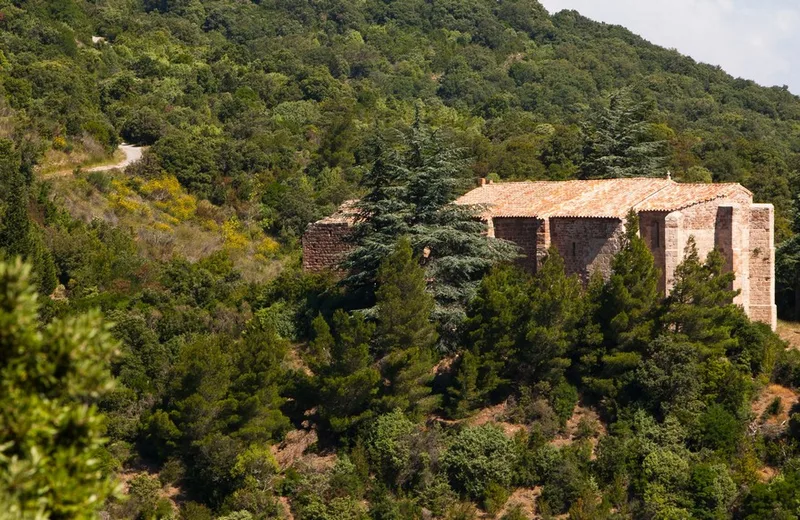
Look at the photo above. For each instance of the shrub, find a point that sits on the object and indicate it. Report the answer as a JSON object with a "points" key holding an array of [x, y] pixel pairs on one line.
{"points": [[564, 397], [478, 457], [100, 180], [195, 511], [494, 498], [775, 407], [389, 443]]}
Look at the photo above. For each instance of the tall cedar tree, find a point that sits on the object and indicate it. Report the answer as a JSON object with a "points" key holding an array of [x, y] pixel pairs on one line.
{"points": [[700, 306], [620, 141], [494, 336], [405, 334], [51, 433], [347, 379], [626, 314], [557, 311], [411, 188]]}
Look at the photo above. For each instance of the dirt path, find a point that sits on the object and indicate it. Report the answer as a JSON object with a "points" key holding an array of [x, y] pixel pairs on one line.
{"points": [[132, 154]]}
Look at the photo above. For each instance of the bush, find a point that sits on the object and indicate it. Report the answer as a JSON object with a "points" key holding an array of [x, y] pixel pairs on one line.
{"points": [[478, 457], [564, 397], [195, 511], [495, 498], [100, 180], [718, 429], [389, 443], [775, 407]]}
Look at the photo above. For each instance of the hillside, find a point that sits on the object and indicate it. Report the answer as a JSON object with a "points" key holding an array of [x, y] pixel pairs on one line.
{"points": [[430, 383]]}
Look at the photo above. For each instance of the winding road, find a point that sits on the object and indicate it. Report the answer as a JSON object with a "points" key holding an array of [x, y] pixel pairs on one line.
{"points": [[132, 154]]}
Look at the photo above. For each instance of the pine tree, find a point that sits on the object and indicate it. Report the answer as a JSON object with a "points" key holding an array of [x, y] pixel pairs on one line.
{"points": [[51, 433], [405, 334], [700, 306], [557, 310], [255, 387], [494, 337], [467, 391], [787, 261], [626, 313], [403, 307], [15, 230], [348, 381], [620, 141]]}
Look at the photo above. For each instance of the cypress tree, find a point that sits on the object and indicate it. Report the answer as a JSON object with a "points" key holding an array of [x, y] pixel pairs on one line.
{"points": [[405, 334]]}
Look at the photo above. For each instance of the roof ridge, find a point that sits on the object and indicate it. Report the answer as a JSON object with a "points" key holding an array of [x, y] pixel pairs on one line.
{"points": [[667, 183]]}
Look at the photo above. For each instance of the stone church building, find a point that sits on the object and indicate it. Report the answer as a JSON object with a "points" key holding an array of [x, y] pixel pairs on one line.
{"points": [[585, 221]]}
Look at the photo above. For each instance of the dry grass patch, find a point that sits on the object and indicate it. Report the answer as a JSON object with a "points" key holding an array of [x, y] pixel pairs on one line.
{"points": [[789, 331]]}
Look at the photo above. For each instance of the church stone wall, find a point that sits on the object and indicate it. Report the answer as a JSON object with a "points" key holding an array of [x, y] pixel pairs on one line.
{"points": [[587, 244], [524, 233], [762, 264]]}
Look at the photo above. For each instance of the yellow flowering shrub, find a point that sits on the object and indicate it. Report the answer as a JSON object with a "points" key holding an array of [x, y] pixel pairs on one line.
{"points": [[168, 196], [232, 234], [121, 200], [268, 247]]}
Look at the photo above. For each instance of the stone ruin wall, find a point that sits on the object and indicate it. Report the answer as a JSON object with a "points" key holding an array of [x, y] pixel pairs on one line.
{"points": [[587, 245], [651, 229], [324, 245], [762, 265], [523, 232]]}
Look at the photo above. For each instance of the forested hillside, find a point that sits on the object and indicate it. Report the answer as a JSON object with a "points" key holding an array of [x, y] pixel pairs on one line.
{"points": [[229, 384]]}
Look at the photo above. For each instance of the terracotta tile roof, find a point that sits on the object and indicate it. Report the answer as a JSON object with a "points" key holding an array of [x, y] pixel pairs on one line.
{"points": [[678, 196], [346, 214], [602, 198]]}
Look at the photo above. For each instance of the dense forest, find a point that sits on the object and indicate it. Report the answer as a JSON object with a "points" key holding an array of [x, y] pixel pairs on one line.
{"points": [[162, 354]]}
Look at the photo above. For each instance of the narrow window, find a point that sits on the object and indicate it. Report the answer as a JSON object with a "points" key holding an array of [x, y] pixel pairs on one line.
{"points": [[657, 234], [573, 249]]}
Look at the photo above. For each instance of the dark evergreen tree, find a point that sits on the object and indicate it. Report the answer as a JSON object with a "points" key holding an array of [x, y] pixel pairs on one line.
{"points": [[494, 336], [405, 334], [620, 141], [787, 263], [259, 371], [15, 226], [557, 311], [626, 314], [382, 216], [403, 307], [700, 305], [410, 192], [348, 381]]}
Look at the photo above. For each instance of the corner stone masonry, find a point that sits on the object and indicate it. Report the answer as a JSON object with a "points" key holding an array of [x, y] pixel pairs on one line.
{"points": [[585, 221]]}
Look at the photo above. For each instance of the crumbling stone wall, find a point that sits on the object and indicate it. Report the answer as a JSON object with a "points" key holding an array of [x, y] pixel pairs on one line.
{"points": [[324, 245], [587, 244]]}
